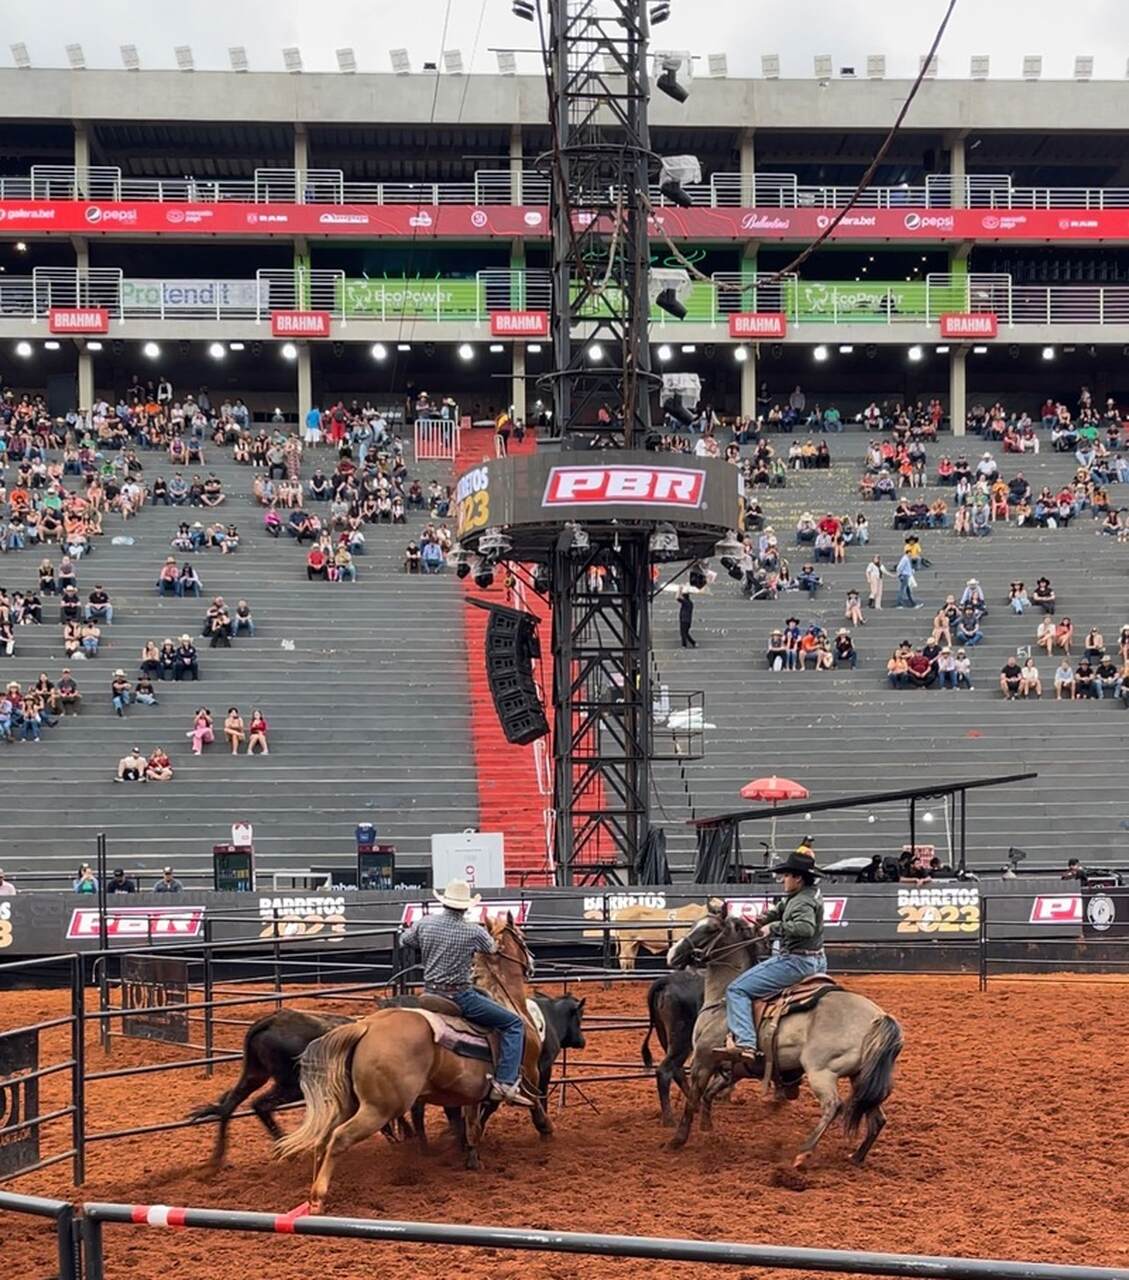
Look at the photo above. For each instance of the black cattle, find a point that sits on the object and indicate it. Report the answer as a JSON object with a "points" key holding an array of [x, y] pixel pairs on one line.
{"points": [[674, 1002]]}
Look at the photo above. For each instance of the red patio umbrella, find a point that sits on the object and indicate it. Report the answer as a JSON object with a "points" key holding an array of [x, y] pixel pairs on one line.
{"points": [[773, 789]]}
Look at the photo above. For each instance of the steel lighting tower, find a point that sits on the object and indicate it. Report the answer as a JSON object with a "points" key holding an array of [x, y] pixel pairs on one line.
{"points": [[596, 60]]}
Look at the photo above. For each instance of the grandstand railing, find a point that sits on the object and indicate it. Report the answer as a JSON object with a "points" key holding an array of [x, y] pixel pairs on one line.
{"points": [[472, 300], [496, 186]]}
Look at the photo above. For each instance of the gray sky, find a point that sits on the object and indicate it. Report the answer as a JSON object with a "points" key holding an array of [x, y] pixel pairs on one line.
{"points": [[744, 29]]}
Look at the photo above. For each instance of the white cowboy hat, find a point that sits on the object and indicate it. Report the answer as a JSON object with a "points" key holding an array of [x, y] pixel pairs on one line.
{"points": [[457, 896]]}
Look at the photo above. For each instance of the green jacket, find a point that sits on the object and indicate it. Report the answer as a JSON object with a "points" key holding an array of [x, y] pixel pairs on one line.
{"points": [[797, 920]]}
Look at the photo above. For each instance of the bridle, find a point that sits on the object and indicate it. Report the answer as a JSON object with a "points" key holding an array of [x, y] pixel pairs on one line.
{"points": [[700, 957]]}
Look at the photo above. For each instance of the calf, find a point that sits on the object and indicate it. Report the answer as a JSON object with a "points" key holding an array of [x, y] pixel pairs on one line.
{"points": [[674, 1002]]}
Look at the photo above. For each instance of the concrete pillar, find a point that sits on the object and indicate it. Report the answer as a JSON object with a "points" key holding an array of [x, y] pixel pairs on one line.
{"points": [[748, 168], [749, 385], [517, 278], [85, 378], [517, 388], [305, 382], [517, 161], [81, 156], [958, 391], [956, 172], [301, 159]]}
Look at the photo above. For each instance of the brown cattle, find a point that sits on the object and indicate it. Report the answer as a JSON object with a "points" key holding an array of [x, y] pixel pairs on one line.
{"points": [[627, 940]]}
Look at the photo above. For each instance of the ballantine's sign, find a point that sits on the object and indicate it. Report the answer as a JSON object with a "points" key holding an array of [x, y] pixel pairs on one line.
{"points": [[758, 324], [78, 320], [519, 324], [299, 324], [969, 324]]}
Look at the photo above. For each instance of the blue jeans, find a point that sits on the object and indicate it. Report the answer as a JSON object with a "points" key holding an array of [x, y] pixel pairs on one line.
{"points": [[238, 625], [759, 982], [478, 1008], [905, 595]]}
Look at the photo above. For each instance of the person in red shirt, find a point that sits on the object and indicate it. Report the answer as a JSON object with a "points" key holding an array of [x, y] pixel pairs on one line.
{"points": [[315, 564], [829, 525]]}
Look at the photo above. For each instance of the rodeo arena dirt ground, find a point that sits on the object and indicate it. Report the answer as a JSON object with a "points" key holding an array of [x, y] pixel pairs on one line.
{"points": [[1004, 1140]]}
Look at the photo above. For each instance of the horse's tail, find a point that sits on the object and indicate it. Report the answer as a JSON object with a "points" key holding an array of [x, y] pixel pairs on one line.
{"points": [[653, 1010], [874, 1080], [327, 1087]]}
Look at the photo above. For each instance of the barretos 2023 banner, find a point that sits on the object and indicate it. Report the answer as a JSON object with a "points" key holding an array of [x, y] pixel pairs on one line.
{"points": [[470, 222]]}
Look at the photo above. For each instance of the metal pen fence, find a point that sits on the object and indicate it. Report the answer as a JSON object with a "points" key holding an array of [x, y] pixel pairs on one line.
{"points": [[67, 1247]]}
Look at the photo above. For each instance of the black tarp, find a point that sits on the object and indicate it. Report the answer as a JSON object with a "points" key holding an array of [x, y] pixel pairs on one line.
{"points": [[716, 852], [653, 867]]}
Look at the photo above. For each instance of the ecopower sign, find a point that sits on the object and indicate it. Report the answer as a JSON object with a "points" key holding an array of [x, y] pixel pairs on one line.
{"points": [[438, 299]]}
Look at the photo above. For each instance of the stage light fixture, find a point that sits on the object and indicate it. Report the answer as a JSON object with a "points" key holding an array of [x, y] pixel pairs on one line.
{"points": [[347, 61], [401, 63], [942, 351], [237, 56], [523, 9], [542, 579], [21, 246], [236, 346], [979, 351], [151, 350], [292, 59], [403, 346], [289, 351], [663, 542], [23, 349], [461, 560], [741, 355], [494, 545], [131, 59], [484, 576], [846, 350], [668, 301], [76, 57], [466, 351], [675, 174], [379, 351], [184, 58], [573, 539], [534, 348], [668, 80], [217, 351], [507, 62], [729, 547], [20, 56], [660, 11]]}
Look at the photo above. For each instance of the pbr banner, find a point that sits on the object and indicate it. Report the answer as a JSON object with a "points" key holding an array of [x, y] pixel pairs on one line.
{"points": [[19, 1101], [150, 984]]}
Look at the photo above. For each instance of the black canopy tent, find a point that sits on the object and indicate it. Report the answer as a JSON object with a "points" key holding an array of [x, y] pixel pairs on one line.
{"points": [[719, 839]]}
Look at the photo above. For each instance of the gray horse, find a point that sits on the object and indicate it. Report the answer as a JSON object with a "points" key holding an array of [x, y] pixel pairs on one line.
{"points": [[843, 1036]]}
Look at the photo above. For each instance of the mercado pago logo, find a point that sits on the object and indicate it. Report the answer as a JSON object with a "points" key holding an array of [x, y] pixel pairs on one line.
{"points": [[937, 910], [624, 485], [301, 916], [472, 501], [137, 922], [518, 911]]}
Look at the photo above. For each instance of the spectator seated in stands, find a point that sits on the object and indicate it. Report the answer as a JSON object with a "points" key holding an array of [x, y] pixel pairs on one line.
{"points": [[258, 729], [814, 649], [158, 768], [167, 579], [131, 768], [824, 547], [921, 669], [431, 558], [119, 882], [1011, 679], [201, 732], [99, 608], [300, 525], [1085, 680], [972, 597], [1107, 677], [808, 580], [234, 730], [1064, 680], [968, 633], [777, 655], [218, 623], [342, 568], [242, 619], [412, 558], [212, 492], [121, 692], [272, 522], [844, 649], [884, 487], [317, 564], [186, 662], [91, 638], [1043, 596], [806, 528]]}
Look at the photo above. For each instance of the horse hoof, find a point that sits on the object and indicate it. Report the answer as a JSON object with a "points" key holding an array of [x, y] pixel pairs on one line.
{"points": [[676, 1143], [857, 1158], [801, 1160], [667, 1122], [315, 1208]]}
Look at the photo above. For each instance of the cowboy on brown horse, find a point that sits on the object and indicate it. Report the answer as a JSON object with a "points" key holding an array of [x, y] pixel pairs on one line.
{"points": [[449, 942]]}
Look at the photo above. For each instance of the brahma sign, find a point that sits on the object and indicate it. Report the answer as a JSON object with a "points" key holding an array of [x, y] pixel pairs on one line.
{"points": [[519, 324], [758, 324], [78, 320], [623, 485], [969, 324], [299, 324]]}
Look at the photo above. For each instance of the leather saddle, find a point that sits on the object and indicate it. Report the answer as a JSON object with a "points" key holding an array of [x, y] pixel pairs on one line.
{"points": [[768, 1015], [453, 1032]]}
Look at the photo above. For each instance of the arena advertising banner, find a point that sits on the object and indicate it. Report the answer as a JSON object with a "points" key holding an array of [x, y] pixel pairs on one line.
{"points": [[471, 222], [192, 297], [301, 324], [393, 299], [971, 324], [78, 320], [151, 987], [1105, 913], [519, 324], [860, 301], [19, 1101], [758, 325]]}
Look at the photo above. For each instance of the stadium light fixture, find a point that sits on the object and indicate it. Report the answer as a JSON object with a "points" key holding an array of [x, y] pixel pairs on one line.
{"points": [[217, 350], [930, 66], [875, 66], [942, 351], [236, 346], [595, 352], [507, 62], [466, 351], [151, 350], [23, 349], [1032, 67], [741, 355], [401, 63], [979, 65], [718, 64], [237, 56], [534, 348], [915, 354], [20, 56], [346, 61], [403, 346], [822, 63], [21, 246], [94, 346], [664, 353], [660, 11], [846, 350], [668, 79], [523, 9], [76, 57], [292, 59], [820, 353], [289, 351], [979, 351], [496, 348], [184, 59], [1083, 67], [131, 59], [688, 349], [770, 66], [1048, 353], [379, 351], [51, 346], [453, 62]]}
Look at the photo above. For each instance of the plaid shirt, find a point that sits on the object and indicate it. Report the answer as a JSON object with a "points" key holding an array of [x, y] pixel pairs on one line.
{"points": [[449, 943]]}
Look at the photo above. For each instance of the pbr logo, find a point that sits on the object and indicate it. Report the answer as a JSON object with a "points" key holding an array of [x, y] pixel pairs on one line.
{"points": [[1101, 912], [624, 486], [415, 911], [137, 922], [834, 909], [1057, 908]]}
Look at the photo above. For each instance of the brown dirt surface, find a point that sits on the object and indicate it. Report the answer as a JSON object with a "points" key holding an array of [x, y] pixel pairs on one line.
{"points": [[1005, 1140]]}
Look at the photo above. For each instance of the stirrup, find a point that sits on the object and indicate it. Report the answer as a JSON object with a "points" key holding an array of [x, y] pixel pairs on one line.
{"points": [[509, 1093], [742, 1052]]}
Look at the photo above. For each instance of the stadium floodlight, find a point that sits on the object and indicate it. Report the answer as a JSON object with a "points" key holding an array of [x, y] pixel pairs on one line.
{"points": [[523, 9], [346, 61], [719, 65], [978, 67], [131, 59], [403, 346], [875, 66], [151, 350], [453, 62], [668, 80], [660, 11], [929, 65], [822, 63], [1032, 66], [466, 351], [915, 354], [595, 352], [401, 63], [534, 348], [507, 62], [289, 351], [664, 353], [292, 59], [237, 346], [94, 346], [1083, 67], [496, 348], [23, 349], [184, 59], [979, 351], [1048, 353], [942, 351], [379, 351], [846, 349], [741, 354], [76, 57], [51, 346], [688, 349], [820, 353], [770, 66], [20, 55], [237, 56], [217, 350], [675, 173]]}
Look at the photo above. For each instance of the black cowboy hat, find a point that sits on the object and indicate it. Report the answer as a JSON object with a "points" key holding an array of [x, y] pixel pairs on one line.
{"points": [[800, 864]]}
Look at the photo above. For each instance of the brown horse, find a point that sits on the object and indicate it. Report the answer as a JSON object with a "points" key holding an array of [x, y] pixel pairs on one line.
{"points": [[358, 1077], [843, 1036]]}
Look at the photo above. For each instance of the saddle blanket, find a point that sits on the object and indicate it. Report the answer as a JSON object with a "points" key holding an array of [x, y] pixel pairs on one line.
{"points": [[468, 1040]]}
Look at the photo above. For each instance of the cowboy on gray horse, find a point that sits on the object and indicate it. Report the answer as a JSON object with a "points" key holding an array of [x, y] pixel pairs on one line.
{"points": [[795, 924]]}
